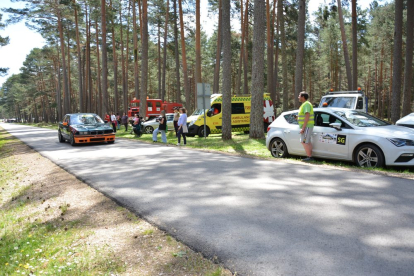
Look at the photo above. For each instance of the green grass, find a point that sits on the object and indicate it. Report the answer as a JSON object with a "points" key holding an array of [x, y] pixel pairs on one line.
{"points": [[29, 245]]}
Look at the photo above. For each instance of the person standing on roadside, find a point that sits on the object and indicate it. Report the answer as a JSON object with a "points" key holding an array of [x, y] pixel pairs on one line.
{"points": [[161, 128], [182, 126], [118, 121], [176, 117], [306, 123], [113, 121], [124, 121]]}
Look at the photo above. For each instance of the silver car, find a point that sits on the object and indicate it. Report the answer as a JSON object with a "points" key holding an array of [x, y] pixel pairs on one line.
{"points": [[150, 125], [407, 121], [344, 134]]}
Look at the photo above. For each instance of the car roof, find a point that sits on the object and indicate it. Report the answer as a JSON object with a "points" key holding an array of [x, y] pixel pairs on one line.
{"points": [[70, 114]]}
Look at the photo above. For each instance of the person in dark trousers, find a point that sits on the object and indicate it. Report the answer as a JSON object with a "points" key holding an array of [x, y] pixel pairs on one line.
{"points": [[176, 117], [113, 121], [124, 121], [182, 126], [162, 128]]}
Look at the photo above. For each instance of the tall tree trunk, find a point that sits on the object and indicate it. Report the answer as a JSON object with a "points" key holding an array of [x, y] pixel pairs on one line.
{"points": [[115, 64], [198, 45], [124, 70], [99, 101], [284, 60], [246, 53], [144, 62], [69, 75], [66, 102], [78, 47], [218, 51], [345, 46], [164, 59], [269, 37], [184, 58], [177, 60], [300, 50], [135, 39], [396, 75], [256, 113], [408, 60], [238, 81], [276, 95], [127, 56], [354, 47], [104, 59], [159, 58], [226, 108]]}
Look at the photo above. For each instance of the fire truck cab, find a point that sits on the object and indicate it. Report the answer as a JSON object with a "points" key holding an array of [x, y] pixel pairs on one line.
{"points": [[154, 107]]}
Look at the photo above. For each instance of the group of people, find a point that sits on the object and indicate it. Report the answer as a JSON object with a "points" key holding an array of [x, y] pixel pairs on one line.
{"points": [[180, 126], [117, 121]]}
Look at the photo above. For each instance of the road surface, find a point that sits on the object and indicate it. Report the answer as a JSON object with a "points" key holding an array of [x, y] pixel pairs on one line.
{"points": [[257, 217]]}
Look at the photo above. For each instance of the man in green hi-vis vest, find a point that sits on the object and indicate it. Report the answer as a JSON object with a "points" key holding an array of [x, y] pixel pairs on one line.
{"points": [[306, 122]]}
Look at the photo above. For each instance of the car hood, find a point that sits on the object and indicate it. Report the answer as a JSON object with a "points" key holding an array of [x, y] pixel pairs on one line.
{"points": [[92, 127], [391, 131], [409, 120]]}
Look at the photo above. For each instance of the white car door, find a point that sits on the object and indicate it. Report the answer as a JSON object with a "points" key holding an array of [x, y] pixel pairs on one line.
{"points": [[291, 133], [328, 141]]}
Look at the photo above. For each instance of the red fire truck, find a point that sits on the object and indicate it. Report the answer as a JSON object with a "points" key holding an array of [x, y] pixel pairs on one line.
{"points": [[154, 107]]}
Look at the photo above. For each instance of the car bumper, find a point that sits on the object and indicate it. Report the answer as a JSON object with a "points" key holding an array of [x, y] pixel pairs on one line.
{"points": [[402, 156], [94, 138]]}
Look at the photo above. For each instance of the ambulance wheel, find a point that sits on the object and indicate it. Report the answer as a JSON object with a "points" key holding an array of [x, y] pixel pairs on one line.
{"points": [[201, 131], [278, 148]]}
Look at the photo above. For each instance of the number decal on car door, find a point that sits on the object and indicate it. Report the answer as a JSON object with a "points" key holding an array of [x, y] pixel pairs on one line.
{"points": [[341, 140]]}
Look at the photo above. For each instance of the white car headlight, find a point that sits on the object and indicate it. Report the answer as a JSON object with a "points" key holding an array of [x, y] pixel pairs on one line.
{"points": [[192, 122], [401, 142]]}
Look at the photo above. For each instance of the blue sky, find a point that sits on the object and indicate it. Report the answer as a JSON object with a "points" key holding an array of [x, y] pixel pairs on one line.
{"points": [[22, 40]]}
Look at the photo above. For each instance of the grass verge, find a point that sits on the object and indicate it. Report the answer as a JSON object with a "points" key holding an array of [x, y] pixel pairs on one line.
{"points": [[53, 224]]}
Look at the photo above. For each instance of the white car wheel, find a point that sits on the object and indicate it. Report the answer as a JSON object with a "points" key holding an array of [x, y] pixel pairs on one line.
{"points": [[369, 156], [149, 129], [278, 148]]}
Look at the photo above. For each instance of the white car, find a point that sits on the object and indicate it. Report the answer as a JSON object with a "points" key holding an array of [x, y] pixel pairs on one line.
{"points": [[407, 121], [150, 125], [344, 134]]}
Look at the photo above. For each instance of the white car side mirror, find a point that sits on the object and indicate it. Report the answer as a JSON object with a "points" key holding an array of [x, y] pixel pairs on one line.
{"points": [[336, 126]]}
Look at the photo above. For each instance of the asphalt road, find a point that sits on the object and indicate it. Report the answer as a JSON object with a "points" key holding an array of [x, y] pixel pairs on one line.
{"points": [[258, 217]]}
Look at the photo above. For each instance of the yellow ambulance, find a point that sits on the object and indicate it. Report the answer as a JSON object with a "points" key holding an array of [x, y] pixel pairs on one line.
{"points": [[240, 115]]}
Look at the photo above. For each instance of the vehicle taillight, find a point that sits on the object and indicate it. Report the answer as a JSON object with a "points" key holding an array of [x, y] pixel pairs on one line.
{"points": [[268, 128]]}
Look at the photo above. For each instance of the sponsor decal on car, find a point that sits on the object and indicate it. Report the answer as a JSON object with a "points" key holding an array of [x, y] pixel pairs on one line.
{"points": [[329, 138]]}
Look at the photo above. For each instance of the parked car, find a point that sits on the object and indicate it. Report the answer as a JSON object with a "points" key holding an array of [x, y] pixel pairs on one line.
{"points": [[80, 128], [150, 125], [407, 121], [344, 134]]}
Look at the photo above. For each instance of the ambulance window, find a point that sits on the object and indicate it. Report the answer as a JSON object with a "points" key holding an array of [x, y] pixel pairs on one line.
{"points": [[237, 108], [158, 104]]}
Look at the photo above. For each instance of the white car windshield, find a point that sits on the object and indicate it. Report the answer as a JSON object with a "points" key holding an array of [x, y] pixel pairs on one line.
{"points": [[86, 119], [198, 112], [360, 119]]}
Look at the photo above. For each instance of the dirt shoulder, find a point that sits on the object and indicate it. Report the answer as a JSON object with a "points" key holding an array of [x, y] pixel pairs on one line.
{"points": [[141, 248]]}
